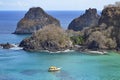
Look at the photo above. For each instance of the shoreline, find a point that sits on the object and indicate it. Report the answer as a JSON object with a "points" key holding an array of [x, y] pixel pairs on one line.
{"points": [[76, 48]]}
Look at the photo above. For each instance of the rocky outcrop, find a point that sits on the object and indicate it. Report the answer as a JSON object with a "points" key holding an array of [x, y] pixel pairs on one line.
{"points": [[35, 19], [51, 38], [97, 40], [106, 35], [111, 17], [6, 46], [90, 18]]}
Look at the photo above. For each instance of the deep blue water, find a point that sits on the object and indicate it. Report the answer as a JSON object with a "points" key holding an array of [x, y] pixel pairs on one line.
{"points": [[9, 19], [22, 65]]}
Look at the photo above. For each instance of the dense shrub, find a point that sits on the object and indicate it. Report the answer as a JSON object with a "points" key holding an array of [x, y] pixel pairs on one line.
{"points": [[77, 40]]}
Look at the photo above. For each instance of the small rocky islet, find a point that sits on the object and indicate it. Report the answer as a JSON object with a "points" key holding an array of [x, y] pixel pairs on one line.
{"points": [[6, 45], [89, 31], [35, 19]]}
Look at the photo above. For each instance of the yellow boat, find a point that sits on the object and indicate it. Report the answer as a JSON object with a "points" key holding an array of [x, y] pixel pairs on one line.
{"points": [[53, 69]]}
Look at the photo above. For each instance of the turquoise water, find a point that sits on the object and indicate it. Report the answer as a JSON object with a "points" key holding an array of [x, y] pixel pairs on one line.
{"points": [[22, 65]]}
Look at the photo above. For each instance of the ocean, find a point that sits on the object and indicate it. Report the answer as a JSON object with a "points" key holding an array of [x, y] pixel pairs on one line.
{"points": [[9, 19], [22, 65]]}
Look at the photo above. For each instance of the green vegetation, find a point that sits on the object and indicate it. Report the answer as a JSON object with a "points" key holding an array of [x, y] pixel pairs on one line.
{"points": [[77, 40]]}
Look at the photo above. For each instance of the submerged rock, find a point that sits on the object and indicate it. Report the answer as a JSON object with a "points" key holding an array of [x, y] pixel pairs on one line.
{"points": [[51, 38], [90, 18], [35, 19]]}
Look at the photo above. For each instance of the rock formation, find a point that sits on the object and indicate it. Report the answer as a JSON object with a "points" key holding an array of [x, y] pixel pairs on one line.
{"points": [[100, 33], [106, 35], [111, 17], [90, 18], [35, 19], [51, 38], [6, 46], [97, 40]]}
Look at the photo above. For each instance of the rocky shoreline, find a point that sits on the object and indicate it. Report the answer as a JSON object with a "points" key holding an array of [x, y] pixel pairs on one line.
{"points": [[78, 49]]}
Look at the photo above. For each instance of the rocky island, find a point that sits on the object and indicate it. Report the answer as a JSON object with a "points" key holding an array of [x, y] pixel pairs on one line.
{"points": [[90, 31], [88, 19], [35, 19]]}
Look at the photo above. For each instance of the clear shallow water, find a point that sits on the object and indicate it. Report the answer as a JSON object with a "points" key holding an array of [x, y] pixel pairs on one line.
{"points": [[21, 65]]}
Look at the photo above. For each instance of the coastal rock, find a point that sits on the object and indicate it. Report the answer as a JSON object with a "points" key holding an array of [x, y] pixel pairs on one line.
{"points": [[51, 38], [111, 17], [94, 45], [35, 19], [99, 37], [106, 34], [90, 18], [6, 46], [97, 40]]}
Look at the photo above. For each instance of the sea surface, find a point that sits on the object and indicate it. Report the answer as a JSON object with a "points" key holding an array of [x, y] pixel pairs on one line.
{"points": [[22, 65]]}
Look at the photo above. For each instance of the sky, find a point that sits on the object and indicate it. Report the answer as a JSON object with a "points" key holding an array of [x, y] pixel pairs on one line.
{"points": [[54, 4]]}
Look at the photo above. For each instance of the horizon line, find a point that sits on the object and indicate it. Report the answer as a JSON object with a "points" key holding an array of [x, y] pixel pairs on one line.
{"points": [[48, 10]]}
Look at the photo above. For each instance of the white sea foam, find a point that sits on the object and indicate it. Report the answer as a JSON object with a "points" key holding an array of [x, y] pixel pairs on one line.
{"points": [[67, 50], [16, 47], [98, 52]]}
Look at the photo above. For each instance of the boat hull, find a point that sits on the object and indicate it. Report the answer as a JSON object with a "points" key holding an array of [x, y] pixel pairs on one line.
{"points": [[58, 69]]}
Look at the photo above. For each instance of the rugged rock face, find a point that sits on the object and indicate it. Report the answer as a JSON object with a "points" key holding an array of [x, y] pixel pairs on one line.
{"points": [[111, 17], [97, 40], [35, 19], [51, 38], [106, 35], [90, 18]]}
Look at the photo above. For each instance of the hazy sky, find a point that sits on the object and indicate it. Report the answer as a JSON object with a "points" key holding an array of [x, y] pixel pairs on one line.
{"points": [[54, 4]]}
